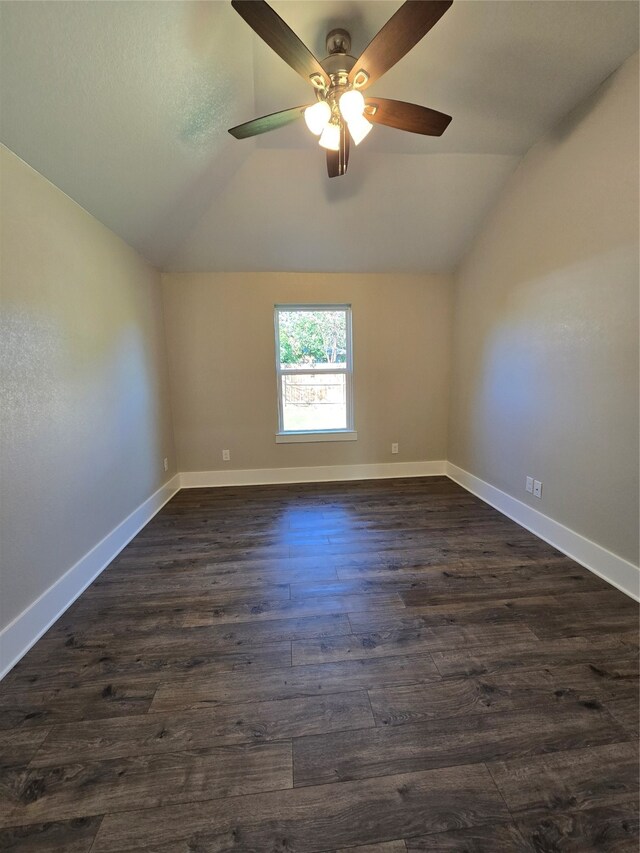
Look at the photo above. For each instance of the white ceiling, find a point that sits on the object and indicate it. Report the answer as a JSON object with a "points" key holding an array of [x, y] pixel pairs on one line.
{"points": [[125, 107]]}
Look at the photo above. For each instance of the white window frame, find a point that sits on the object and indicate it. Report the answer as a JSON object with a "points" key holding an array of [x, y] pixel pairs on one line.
{"points": [[292, 436]]}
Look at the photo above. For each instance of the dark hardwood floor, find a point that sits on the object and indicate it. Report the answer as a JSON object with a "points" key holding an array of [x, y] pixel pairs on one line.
{"points": [[378, 667]]}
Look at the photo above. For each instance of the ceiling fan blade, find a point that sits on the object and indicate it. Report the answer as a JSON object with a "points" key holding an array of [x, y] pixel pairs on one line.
{"points": [[411, 22], [337, 161], [280, 37], [266, 123], [411, 117]]}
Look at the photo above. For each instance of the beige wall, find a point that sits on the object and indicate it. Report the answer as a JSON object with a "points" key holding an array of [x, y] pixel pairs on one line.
{"points": [[221, 352], [545, 344], [85, 421]]}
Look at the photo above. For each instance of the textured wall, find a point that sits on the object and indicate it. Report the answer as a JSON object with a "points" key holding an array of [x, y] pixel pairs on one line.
{"points": [[221, 352], [84, 411], [545, 344]]}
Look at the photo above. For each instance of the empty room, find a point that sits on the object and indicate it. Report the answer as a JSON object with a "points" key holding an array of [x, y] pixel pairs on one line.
{"points": [[319, 426]]}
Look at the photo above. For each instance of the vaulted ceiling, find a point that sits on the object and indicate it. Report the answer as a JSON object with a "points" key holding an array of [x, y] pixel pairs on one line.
{"points": [[125, 106]]}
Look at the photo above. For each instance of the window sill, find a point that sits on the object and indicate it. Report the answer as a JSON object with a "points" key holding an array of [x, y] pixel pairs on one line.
{"points": [[324, 435]]}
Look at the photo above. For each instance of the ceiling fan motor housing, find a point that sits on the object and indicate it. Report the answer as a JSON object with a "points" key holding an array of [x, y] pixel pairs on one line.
{"points": [[338, 63]]}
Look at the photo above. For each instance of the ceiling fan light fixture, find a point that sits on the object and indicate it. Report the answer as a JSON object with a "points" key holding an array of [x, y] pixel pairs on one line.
{"points": [[330, 137], [317, 117], [341, 113], [359, 127], [351, 105]]}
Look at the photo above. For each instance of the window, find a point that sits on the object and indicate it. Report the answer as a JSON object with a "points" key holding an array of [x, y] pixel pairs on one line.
{"points": [[314, 369]]}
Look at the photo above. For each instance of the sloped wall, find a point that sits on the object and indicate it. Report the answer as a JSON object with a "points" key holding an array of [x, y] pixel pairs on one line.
{"points": [[545, 336], [85, 409]]}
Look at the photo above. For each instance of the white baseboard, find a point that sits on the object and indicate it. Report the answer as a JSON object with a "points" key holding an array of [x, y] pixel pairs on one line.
{"points": [[27, 628], [611, 568], [312, 474]]}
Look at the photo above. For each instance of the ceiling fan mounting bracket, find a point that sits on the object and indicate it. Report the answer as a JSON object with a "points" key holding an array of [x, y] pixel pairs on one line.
{"points": [[360, 79], [318, 82]]}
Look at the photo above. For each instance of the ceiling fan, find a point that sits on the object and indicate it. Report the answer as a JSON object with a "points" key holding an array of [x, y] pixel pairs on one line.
{"points": [[341, 113]]}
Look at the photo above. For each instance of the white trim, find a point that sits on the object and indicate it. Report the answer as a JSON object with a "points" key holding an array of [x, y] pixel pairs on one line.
{"points": [[324, 369], [314, 474], [318, 435], [608, 566], [312, 306], [27, 628]]}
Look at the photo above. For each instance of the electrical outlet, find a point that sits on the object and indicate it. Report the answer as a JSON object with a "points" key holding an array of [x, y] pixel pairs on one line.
{"points": [[226, 455], [166, 464], [537, 489], [529, 486], [394, 447]]}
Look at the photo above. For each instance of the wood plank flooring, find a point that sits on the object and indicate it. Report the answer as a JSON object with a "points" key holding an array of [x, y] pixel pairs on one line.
{"points": [[372, 667]]}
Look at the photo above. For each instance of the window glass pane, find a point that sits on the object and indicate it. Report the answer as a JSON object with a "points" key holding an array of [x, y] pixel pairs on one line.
{"points": [[314, 401], [313, 339]]}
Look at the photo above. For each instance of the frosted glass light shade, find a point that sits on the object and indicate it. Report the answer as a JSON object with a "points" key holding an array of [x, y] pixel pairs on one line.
{"points": [[351, 105], [359, 127], [317, 117], [330, 137]]}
